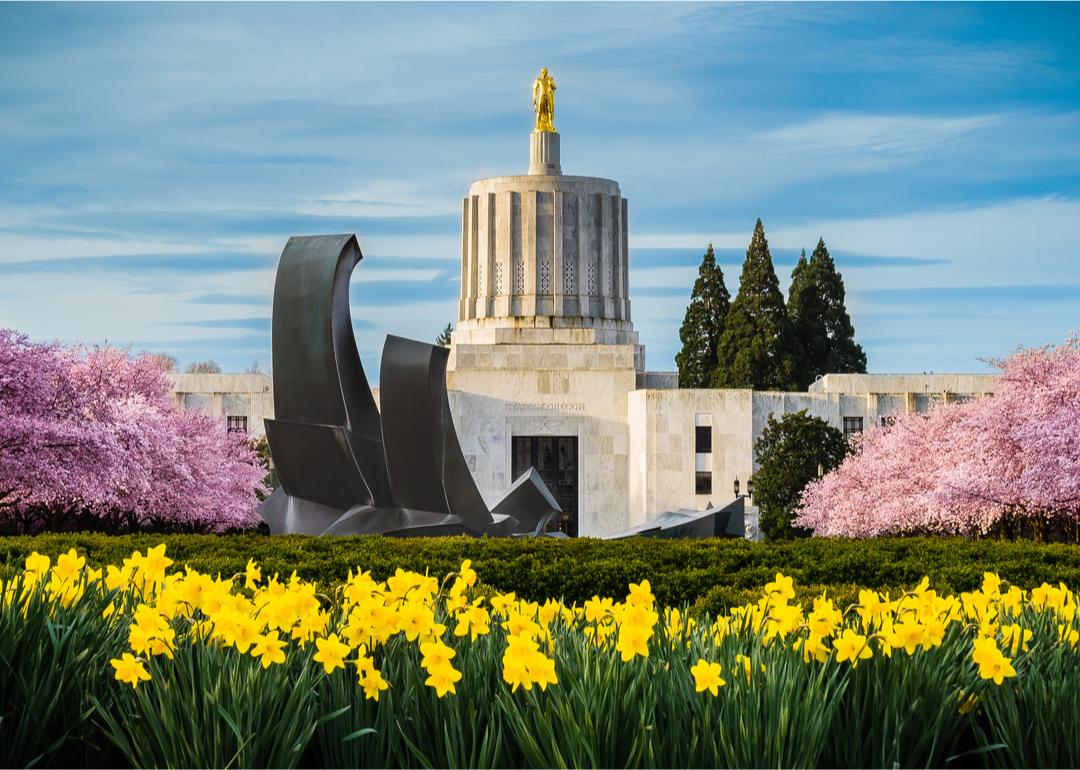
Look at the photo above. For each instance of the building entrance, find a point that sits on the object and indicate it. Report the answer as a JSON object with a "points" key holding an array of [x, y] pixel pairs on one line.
{"points": [[555, 459]]}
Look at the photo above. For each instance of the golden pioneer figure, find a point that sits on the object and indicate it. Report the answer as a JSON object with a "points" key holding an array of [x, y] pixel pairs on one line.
{"points": [[544, 101]]}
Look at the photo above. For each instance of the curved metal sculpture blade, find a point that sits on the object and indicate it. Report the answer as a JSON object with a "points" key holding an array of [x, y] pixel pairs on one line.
{"points": [[423, 455], [326, 439]]}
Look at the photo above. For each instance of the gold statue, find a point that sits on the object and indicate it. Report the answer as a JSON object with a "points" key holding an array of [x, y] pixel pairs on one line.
{"points": [[544, 101]]}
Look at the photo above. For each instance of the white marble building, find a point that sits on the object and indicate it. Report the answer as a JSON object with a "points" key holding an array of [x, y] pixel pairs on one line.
{"points": [[545, 368]]}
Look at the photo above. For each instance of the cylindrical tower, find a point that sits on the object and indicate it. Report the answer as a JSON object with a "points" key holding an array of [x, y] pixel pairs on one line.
{"points": [[544, 251]]}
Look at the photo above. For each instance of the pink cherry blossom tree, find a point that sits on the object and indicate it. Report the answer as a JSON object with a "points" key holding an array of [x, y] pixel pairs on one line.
{"points": [[91, 438], [1008, 464]]}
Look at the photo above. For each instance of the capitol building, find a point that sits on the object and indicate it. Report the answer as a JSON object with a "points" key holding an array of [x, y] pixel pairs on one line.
{"points": [[545, 368]]}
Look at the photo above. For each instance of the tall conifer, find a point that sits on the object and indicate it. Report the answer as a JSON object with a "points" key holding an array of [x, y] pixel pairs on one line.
{"points": [[806, 312], [703, 324], [820, 319], [757, 349]]}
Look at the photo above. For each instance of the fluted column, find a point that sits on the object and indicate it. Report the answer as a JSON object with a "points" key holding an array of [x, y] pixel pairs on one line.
{"points": [[544, 154]]}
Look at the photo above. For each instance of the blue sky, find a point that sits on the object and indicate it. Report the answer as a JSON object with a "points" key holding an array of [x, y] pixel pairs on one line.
{"points": [[155, 158]]}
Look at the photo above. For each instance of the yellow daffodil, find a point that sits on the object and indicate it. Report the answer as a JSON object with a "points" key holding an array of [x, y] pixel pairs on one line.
{"points": [[908, 635], [813, 648], [252, 575], [992, 663], [871, 606], [68, 567], [156, 562], [641, 594], [852, 646], [633, 641], [36, 565], [331, 653], [269, 649], [372, 683], [707, 676], [435, 655], [130, 669], [415, 620], [780, 589], [474, 620], [443, 679], [524, 665], [467, 573]]}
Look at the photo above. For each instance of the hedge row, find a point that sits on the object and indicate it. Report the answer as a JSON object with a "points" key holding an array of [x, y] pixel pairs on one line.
{"points": [[707, 574]]}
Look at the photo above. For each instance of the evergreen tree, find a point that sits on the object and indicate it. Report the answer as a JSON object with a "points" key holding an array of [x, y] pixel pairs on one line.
{"points": [[445, 336], [757, 349], [820, 319], [806, 312], [703, 324]]}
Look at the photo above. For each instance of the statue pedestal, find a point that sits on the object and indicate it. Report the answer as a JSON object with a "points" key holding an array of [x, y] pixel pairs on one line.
{"points": [[544, 154]]}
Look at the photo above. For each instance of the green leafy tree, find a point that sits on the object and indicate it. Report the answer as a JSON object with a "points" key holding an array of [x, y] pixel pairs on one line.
{"points": [[757, 349], [703, 324], [820, 319], [444, 336], [788, 455]]}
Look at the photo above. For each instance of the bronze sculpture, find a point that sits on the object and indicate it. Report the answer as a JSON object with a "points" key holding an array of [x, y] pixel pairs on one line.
{"points": [[544, 101]]}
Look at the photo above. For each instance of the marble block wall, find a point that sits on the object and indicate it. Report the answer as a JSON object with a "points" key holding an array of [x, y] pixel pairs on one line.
{"points": [[501, 391]]}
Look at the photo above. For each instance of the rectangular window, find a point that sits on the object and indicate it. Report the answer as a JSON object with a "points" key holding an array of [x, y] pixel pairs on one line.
{"points": [[703, 439], [852, 425], [236, 424], [703, 482]]}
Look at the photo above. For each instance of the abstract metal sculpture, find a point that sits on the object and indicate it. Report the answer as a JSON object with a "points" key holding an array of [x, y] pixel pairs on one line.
{"points": [[346, 468], [728, 521]]}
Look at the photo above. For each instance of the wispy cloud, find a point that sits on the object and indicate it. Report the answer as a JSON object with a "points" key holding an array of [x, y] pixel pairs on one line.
{"points": [[872, 140]]}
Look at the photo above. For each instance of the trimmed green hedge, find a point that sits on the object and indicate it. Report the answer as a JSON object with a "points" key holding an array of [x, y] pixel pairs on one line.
{"points": [[708, 574]]}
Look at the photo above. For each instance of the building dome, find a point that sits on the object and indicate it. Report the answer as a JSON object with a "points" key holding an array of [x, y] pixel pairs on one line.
{"points": [[544, 257]]}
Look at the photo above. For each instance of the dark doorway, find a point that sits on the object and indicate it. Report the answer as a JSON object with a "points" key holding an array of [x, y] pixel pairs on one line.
{"points": [[555, 459]]}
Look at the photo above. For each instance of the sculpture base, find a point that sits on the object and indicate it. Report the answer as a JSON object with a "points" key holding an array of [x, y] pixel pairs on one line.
{"points": [[544, 154]]}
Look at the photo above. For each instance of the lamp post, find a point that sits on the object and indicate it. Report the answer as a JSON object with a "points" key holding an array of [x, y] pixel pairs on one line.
{"points": [[749, 488]]}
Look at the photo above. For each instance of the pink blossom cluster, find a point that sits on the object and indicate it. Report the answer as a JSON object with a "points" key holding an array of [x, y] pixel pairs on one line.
{"points": [[95, 432], [965, 468]]}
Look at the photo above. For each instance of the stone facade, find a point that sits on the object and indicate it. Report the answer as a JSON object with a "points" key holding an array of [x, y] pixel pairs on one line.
{"points": [[663, 423], [568, 390], [236, 398]]}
